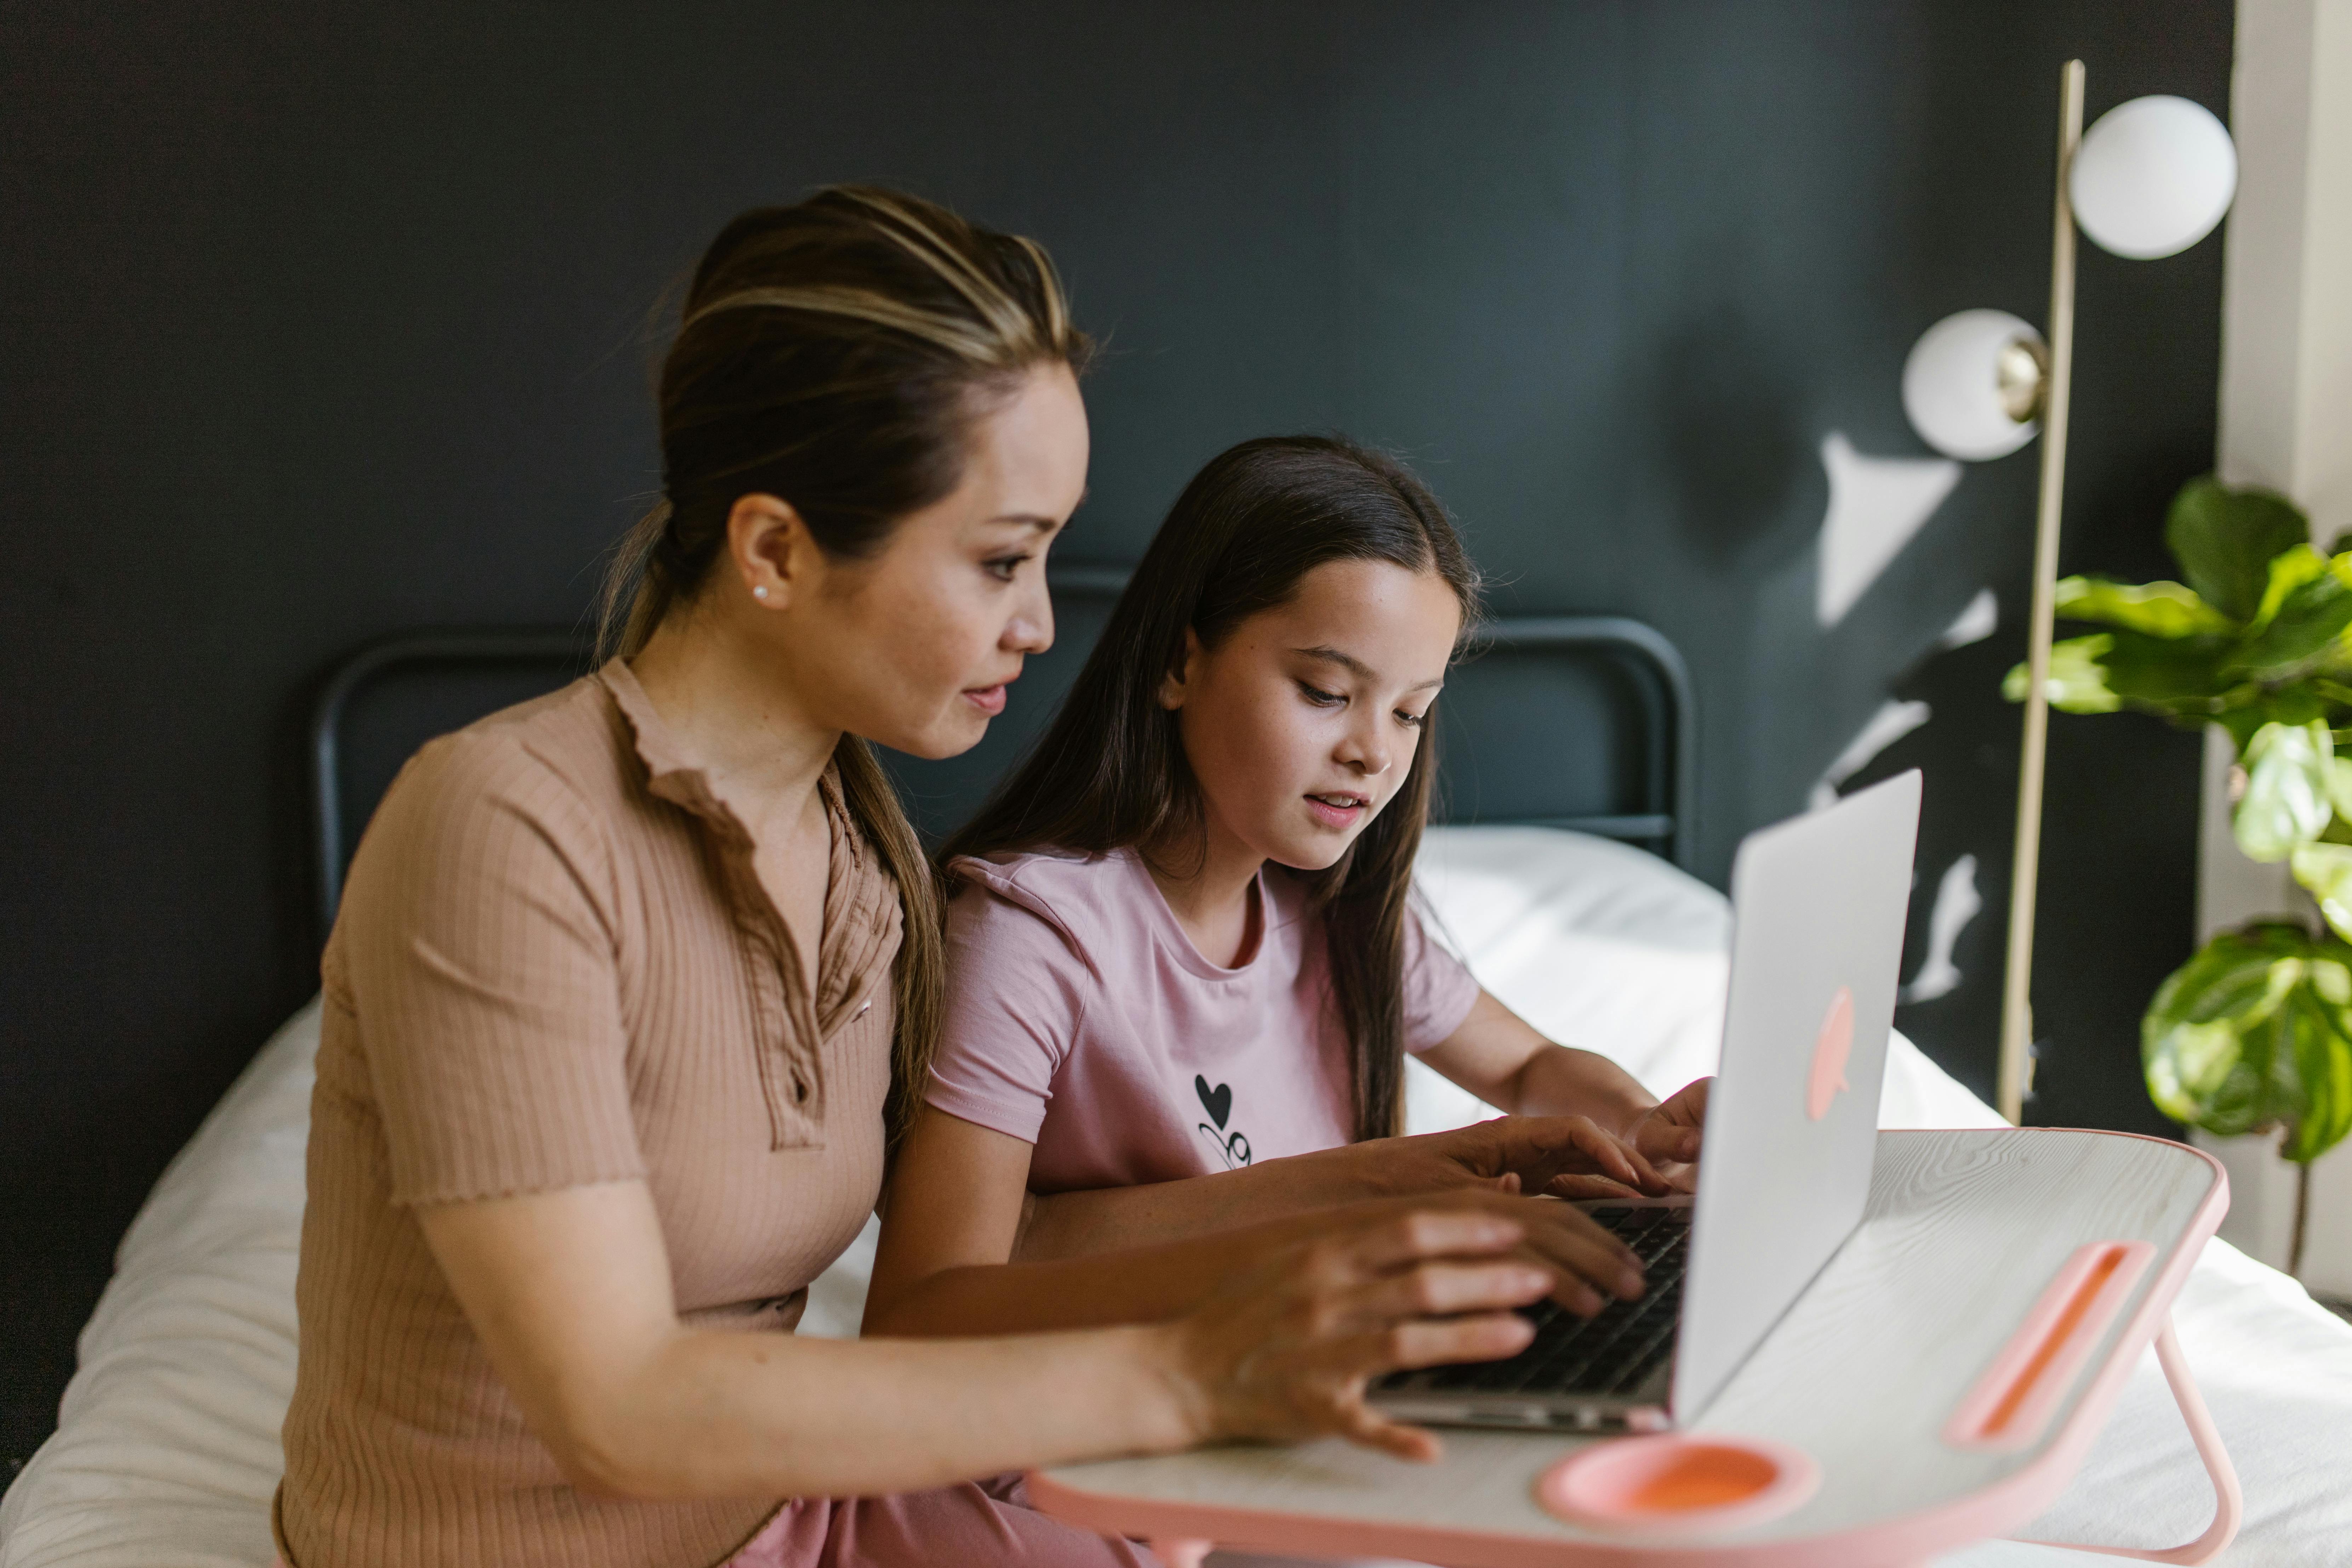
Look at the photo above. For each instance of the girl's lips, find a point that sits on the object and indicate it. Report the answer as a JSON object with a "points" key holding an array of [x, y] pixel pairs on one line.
{"points": [[989, 700], [1331, 815]]}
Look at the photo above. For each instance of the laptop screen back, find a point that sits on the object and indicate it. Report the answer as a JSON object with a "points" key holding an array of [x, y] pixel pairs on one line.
{"points": [[1817, 909]]}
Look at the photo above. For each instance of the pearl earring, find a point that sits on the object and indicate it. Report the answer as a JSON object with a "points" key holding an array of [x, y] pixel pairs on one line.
{"points": [[758, 592]]}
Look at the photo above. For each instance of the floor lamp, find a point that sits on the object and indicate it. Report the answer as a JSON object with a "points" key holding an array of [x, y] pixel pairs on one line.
{"points": [[2151, 178]]}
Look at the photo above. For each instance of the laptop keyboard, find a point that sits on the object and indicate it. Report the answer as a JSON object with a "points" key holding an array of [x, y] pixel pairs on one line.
{"points": [[1612, 1351]]}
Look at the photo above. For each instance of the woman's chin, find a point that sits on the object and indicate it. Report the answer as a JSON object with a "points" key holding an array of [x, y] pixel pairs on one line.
{"points": [[949, 734]]}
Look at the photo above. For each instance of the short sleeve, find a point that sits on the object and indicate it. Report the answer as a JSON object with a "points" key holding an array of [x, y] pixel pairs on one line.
{"points": [[1439, 989], [481, 970], [1016, 996]]}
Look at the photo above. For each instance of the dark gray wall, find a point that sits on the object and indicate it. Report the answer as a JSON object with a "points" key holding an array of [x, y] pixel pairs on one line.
{"points": [[319, 322]]}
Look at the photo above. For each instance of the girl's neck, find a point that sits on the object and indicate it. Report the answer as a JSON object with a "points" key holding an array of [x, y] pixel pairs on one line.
{"points": [[1211, 904], [763, 751]]}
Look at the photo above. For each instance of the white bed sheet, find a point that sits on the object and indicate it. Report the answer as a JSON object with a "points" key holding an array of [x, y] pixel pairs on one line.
{"points": [[167, 1450]]}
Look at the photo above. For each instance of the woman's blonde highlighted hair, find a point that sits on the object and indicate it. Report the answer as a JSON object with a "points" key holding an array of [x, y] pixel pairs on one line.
{"points": [[834, 353]]}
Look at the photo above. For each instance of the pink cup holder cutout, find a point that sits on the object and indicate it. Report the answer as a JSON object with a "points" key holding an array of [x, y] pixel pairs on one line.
{"points": [[1678, 1481]]}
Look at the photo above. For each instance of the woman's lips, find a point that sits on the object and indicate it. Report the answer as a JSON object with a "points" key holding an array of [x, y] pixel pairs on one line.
{"points": [[989, 700], [1336, 811]]}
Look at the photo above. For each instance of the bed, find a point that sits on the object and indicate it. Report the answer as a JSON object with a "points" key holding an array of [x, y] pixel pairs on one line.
{"points": [[1561, 894]]}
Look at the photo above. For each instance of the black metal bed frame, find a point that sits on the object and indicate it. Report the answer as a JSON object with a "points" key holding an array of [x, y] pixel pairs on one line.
{"points": [[1670, 783]]}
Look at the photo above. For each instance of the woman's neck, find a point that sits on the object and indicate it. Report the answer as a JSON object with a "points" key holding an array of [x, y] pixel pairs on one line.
{"points": [[763, 751], [1212, 904]]}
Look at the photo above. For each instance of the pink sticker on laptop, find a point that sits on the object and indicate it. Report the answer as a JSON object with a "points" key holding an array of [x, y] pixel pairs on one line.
{"points": [[1831, 1049]]}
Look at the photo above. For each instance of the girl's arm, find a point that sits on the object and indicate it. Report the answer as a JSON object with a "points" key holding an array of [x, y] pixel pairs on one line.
{"points": [[1501, 1058], [570, 1293], [962, 1250]]}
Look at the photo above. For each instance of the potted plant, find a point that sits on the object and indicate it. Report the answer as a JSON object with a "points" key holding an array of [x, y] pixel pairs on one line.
{"points": [[2253, 1033]]}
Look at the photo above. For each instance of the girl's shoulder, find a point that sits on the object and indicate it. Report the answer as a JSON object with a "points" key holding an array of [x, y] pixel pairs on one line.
{"points": [[1086, 901]]}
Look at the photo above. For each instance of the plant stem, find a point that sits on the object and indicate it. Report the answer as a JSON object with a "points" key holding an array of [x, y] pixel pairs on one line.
{"points": [[2302, 1216]]}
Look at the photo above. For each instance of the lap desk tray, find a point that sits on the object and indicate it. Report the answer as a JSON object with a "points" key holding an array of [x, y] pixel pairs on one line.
{"points": [[1937, 1384]]}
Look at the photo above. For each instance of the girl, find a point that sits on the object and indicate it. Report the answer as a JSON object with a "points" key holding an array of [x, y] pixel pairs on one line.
{"points": [[630, 983], [1182, 960]]}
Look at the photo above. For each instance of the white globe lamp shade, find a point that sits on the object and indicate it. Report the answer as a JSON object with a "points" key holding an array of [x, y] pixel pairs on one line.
{"points": [[1972, 384], [2153, 176]]}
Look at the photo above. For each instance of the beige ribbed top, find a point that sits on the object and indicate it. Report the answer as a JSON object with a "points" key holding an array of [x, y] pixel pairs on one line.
{"points": [[555, 965]]}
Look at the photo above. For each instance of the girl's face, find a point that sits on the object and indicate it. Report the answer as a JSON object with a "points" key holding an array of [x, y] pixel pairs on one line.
{"points": [[1301, 724], [914, 646]]}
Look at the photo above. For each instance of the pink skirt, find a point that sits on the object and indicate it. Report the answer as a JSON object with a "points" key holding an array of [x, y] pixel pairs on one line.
{"points": [[977, 1522]]}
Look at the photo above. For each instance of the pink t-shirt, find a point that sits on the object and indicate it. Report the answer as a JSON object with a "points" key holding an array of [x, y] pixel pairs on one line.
{"points": [[1080, 1018]]}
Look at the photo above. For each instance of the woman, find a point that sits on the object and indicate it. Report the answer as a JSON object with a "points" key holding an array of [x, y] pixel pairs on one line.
{"points": [[624, 979], [1184, 969]]}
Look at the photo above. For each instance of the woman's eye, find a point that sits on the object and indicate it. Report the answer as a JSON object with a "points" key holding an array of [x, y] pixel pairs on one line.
{"points": [[1004, 566], [1411, 720], [1320, 698]]}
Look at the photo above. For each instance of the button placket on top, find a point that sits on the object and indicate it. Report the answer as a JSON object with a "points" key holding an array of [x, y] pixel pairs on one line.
{"points": [[785, 1014]]}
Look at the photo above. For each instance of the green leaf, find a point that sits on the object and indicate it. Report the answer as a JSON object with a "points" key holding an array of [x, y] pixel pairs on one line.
{"points": [[2323, 1059], [2158, 610], [2301, 620], [2339, 787], [2224, 539], [2289, 570], [2326, 872], [2077, 683], [2211, 1042], [2285, 806], [2175, 676], [2256, 1032]]}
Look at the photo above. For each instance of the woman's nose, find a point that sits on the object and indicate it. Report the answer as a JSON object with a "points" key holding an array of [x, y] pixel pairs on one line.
{"points": [[1031, 629]]}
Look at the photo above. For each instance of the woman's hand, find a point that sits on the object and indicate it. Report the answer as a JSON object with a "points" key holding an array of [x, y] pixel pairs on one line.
{"points": [[1287, 1351]]}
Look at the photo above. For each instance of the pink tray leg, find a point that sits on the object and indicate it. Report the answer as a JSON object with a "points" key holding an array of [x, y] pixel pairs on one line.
{"points": [[1182, 1553], [2228, 1502]]}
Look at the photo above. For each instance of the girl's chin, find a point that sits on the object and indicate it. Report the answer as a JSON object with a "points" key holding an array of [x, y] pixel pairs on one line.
{"points": [[1320, 855]]}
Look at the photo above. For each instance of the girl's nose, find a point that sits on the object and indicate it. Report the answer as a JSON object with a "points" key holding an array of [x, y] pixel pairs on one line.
{"points": [[1366, 751]]}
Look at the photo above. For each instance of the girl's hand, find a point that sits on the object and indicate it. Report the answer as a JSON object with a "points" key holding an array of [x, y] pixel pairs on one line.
{"points": [[1287, 1351], [1668, 1135], [1564, 1156]]}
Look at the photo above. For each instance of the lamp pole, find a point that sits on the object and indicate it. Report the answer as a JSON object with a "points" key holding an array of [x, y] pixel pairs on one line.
{"points": [[2016, 1075]]}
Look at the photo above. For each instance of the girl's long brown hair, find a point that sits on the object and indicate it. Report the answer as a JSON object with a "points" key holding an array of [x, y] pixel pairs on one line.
{"points": [[1111, 773], [834, 354]]}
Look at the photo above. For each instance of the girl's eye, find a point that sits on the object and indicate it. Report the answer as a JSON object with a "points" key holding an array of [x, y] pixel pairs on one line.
{"points": [[1002, 567], [1320, 698], [1411, 720]]}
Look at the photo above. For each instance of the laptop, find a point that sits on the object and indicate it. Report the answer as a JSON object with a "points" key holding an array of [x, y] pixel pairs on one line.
{"points": [[1817, 909]]}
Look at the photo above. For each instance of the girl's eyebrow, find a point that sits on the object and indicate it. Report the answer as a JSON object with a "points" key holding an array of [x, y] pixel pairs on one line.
{"points": [[1357, 666]]}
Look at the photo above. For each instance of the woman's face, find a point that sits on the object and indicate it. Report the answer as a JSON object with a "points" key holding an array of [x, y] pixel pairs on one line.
{"points": [[914, 646], [1301, 724]]}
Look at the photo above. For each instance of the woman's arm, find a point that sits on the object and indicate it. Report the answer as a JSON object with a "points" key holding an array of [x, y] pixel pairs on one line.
{"points": [[1501, 1058], [570, 1293], [961, 1252]]}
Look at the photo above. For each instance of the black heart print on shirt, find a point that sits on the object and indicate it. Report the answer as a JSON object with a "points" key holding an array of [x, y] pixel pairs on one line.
{"points": [[1233, 1149]]}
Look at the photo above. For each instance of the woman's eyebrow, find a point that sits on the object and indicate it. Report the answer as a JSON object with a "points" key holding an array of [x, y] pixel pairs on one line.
{"points": [[1357, 666], [1039, 521]]}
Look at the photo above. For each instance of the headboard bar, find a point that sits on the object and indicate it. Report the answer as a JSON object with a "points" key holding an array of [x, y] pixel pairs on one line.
{"points": [[489, 646], [1669, 789]]}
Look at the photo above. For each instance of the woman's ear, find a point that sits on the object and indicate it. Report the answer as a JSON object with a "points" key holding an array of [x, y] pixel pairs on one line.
{"points": [[1173, 684], [772, 548]]}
